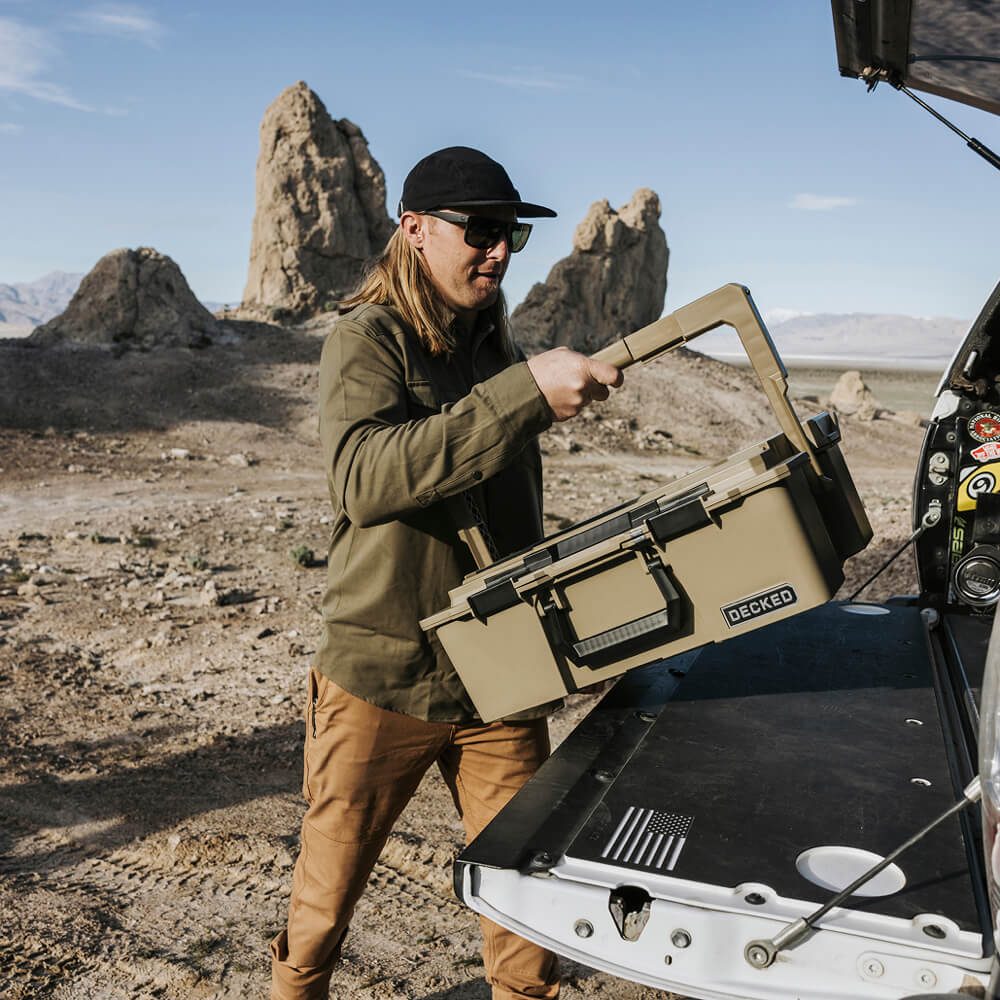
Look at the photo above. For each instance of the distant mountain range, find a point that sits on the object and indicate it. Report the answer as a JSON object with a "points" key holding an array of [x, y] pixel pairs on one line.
{"points": [[875, 338], [817, 338], [27, 304]]}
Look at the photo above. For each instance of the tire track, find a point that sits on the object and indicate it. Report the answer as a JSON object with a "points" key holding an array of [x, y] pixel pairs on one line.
{"points": [[191, 918]]}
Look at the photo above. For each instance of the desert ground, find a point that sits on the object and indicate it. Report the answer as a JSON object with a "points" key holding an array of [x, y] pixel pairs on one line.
{"points": [[155, 634]]}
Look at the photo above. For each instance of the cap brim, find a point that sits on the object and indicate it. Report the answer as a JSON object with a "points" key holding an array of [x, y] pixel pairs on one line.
{"points": [[524, 209]]}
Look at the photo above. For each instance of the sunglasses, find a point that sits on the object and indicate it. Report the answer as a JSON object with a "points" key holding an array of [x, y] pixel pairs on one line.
{"points": [[482, 232]]}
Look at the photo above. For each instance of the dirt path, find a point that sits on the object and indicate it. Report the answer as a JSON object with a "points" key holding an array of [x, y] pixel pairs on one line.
{"points": [[154, 639]]}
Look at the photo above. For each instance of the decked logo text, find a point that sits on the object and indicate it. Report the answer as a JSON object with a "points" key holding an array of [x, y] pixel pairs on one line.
{"points": [[759, 605]]}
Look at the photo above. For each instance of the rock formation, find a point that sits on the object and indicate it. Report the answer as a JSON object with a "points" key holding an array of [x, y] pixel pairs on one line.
{"points": [[852, 398], [133, 298], [612, 283], [320, 210]]}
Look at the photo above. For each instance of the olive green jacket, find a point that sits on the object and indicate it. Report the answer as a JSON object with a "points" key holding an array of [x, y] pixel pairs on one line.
{"points": [[402, 431]]}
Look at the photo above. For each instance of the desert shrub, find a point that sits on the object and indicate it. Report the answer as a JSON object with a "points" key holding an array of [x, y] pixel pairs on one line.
{"points": [[302, 555]]}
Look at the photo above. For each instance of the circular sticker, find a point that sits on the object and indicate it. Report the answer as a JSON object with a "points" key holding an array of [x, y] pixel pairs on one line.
{"points": [[977, 482], [985, 426], [982, 482]]}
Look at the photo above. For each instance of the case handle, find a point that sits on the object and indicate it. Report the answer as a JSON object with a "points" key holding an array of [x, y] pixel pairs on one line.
{"points": [[729, 305], [641, 633]]}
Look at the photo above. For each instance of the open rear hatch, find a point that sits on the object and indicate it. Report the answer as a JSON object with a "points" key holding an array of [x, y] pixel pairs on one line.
{"points": [[943, 47]]}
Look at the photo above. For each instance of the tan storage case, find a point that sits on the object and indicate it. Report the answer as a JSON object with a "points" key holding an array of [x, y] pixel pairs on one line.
{"points": [[729, 548]]}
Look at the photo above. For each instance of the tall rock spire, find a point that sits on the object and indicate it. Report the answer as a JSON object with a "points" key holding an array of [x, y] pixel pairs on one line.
{"points": [[320, 209], [612, 283]]}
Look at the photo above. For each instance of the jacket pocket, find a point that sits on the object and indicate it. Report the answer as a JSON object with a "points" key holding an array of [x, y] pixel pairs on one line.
{"points": [[422, 399]]}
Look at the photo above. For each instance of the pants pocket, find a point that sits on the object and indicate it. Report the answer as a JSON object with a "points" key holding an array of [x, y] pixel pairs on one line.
{"points": [[312, 700]]}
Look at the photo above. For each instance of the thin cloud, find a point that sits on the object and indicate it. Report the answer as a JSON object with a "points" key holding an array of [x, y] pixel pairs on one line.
{"points": [[525, 79], [25, 54], [10, 128], [821, 202], [120, 21]]}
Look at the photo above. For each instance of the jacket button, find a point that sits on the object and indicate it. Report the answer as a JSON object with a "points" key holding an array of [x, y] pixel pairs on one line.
{"points": [[477, 475]]}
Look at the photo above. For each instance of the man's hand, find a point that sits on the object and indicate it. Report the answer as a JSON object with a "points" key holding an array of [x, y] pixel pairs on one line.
{"points": [[569, 381]]}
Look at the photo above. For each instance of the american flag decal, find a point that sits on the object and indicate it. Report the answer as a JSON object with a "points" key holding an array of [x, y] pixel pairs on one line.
{"points": [[649, 838]]}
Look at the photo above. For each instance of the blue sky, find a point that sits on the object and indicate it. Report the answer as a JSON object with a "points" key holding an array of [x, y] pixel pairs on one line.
{"points": [[137, 125]]}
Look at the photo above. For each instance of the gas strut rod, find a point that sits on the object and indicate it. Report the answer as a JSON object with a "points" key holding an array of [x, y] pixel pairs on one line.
{"points": [[929, 519], [762, 953], [974, 144]]}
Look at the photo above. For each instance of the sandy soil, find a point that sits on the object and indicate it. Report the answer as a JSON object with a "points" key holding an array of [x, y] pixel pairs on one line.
{"points": [[155, 633]]}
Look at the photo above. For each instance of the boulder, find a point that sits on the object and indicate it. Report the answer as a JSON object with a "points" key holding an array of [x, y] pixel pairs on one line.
{"points": [[320, 210], [612, 283], [911, 418], [133, 298], [852, 398]]}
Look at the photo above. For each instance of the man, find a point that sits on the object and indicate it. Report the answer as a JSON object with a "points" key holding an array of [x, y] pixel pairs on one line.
{"points": [[428, 417]]}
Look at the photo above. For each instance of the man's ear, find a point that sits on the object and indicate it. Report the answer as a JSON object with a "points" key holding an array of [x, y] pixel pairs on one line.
{"points": [[413, 227]]}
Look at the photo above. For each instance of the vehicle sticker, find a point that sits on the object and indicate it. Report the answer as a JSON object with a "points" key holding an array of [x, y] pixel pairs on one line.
{"points": [[766, 603], [985, 426], [987, 452], [982, 480], [649, 838], [958, 536]]}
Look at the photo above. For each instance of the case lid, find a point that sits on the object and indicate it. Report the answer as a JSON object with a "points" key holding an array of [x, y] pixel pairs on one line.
{"points": [[656, 517]]}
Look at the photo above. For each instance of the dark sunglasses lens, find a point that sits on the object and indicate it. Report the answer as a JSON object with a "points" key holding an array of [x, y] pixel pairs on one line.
{"points": [[519, 234], [483, 233]]}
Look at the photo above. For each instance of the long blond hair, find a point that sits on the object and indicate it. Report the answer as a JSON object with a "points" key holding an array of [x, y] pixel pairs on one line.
{"points": [[399, 279]]}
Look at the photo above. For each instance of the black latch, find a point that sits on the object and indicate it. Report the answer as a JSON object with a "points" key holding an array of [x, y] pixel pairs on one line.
{"points": [[824, 430], [494, 599], [679, 521]]}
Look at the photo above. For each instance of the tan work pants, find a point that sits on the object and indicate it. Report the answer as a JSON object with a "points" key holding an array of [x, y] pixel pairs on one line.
{"points": [[362, 765]]}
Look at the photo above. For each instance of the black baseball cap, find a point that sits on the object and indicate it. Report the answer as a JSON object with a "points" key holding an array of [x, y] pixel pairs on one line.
{"points": [[462, 177]]}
